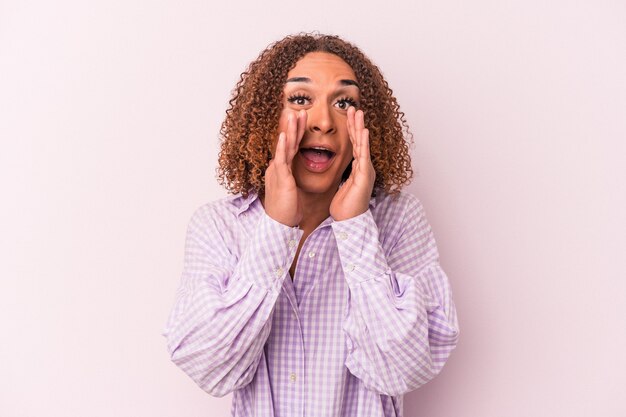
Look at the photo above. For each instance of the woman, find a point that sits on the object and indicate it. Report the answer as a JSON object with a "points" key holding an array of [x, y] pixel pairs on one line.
{"points": [[315, 289]]}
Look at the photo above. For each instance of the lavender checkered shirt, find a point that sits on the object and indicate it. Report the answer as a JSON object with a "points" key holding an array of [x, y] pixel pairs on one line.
{"points": [[368, 317]]}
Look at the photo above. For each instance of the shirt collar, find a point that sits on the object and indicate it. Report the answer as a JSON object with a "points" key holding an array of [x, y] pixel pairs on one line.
{"points": [[246, 202]]}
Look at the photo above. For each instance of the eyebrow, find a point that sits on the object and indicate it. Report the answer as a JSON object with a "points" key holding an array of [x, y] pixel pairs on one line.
{"points": [[308, 80]]}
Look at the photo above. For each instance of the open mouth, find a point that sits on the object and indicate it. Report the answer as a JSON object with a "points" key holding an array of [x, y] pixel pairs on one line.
{"points": [[317, 155]]}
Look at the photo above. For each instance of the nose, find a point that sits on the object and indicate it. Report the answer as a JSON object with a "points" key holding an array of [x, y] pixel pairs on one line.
{"points": [[320, 119]]}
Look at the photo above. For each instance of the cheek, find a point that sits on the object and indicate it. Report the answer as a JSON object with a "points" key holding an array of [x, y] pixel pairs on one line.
{"points": [[347, 144], [347, 156]]}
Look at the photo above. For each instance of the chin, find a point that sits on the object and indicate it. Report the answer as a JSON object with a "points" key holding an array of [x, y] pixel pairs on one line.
{"points": [[316, 185]]}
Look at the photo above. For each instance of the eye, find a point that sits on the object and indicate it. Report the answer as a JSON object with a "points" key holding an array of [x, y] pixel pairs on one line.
{"points": [[299, 99], [345, 102]]}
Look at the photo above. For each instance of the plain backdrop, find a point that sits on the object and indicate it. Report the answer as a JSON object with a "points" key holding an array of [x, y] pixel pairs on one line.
{"points": [[109, 121]]}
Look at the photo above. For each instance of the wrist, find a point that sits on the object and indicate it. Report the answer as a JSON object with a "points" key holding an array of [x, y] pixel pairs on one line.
{"points": [[349, 214]]}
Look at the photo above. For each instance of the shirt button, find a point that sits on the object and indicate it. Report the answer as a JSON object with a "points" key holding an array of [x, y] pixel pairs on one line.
{"points": [[292, 243], [343, 235], [311, 254], [350, 267], [279, 272], [292, 377]]}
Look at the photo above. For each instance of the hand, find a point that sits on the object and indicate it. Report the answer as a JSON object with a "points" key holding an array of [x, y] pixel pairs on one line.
{"points": [[282, 201], [354, 195]]}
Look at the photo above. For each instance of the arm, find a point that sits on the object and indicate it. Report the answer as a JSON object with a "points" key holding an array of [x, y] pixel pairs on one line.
{"points": [[401, 323], [223, 310]]}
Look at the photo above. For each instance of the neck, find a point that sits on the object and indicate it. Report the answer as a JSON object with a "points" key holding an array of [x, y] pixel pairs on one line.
{"points": [[315, 209]]}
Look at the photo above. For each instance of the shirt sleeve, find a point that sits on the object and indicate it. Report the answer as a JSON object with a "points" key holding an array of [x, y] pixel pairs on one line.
{"points": [[223, 309], [400, 323]]}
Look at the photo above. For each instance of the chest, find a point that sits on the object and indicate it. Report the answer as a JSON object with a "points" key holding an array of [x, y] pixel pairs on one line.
{"points": [[316, 266]]}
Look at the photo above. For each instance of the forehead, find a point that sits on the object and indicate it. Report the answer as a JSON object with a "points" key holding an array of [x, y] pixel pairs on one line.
{"points": [[322, 65]]}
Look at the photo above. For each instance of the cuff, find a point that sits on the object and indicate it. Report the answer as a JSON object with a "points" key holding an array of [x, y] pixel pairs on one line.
{"points": [[361, 254], [268, 256]]}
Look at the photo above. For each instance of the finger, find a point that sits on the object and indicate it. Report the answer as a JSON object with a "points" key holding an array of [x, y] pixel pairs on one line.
{"points": [[301, 123], [365, 146], [351, 131], [349, 118], [279, 157], [359, 130], [350, 122], [292, 131]]}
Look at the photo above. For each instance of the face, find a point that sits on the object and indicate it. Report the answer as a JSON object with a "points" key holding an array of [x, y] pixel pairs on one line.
{"points": [[324, 86]]}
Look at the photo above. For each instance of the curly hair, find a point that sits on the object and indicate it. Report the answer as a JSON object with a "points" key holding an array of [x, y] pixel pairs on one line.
{"points": [[254, 110]]}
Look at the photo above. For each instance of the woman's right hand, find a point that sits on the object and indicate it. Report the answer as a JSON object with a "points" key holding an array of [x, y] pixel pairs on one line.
{"points": [[282, 202]]}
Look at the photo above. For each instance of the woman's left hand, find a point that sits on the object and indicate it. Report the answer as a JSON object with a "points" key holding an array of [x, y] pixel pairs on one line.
{"points": [[352, 198]]}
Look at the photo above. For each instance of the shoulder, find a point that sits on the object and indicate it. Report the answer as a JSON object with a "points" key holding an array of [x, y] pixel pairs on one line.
{"points": [[400, 205], [402, 222], [221, 212], [399, 214]]}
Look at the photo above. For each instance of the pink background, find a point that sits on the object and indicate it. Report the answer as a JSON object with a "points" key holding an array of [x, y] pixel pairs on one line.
{"points": [[109, 115]]}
